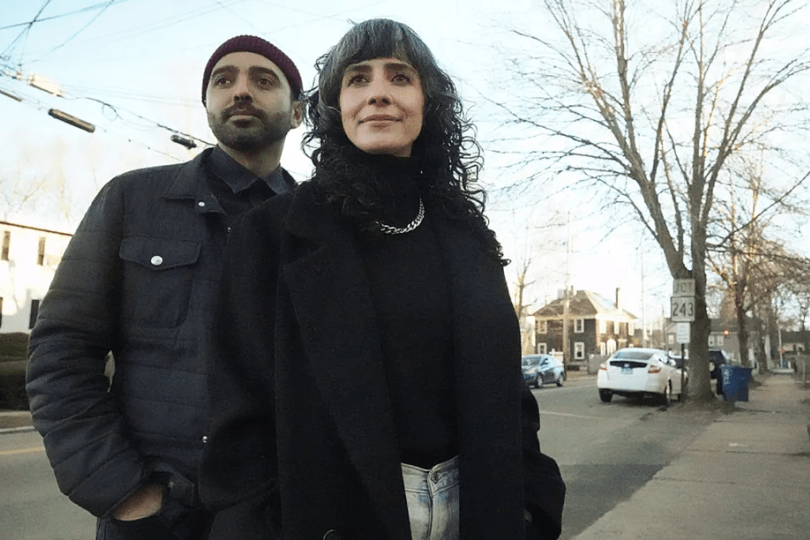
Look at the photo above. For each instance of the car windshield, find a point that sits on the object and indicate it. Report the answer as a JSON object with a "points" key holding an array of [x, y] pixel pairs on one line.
{"points": [[531, 361], [632, 355]]}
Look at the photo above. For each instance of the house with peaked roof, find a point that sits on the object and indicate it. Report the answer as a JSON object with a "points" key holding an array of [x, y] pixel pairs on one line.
{"points": [[596, 326], [28, 259]]}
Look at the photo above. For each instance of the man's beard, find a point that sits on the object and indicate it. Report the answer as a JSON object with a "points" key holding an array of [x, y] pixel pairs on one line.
{"points": [[249, 136]]}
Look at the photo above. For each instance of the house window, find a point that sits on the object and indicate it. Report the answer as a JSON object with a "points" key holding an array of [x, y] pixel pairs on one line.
{"points": [[542, 327], [579, 326], [711, 341], [6, 244], [610, 328], [622, 329], [34, 312], [579, 350], [542, 348], [719, 341], [41, 251]]}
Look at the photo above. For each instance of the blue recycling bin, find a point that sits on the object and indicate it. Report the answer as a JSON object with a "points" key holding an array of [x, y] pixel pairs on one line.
{"points": [[735, 382]]}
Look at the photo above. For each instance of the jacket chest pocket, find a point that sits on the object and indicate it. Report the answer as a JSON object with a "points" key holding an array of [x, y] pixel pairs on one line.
{"points": [[158, 278]]}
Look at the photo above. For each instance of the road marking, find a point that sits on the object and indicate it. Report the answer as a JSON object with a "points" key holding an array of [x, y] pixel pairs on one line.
{"points": [[22, 451]]}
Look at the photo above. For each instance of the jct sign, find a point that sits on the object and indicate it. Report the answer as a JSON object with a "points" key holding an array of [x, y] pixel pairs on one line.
{"points": [[683, 287], [682, 302]]}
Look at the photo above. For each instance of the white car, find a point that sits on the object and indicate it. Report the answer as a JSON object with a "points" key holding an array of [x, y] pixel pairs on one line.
{"points": [[639, 372]]}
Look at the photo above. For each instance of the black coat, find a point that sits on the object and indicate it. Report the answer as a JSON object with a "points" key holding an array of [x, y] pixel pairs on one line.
{"points": [[302, 439], [139, 278]]}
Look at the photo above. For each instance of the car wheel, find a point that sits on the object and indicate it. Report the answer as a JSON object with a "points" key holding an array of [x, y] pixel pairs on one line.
{"points": [[605, 395], [561, 380]]}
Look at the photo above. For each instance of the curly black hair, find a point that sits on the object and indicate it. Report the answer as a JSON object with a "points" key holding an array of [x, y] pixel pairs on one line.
{"points": [[448, 155]]}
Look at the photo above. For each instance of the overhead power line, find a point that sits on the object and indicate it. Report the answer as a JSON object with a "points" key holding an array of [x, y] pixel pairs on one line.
{"points": [[175, 135], [80, 30], [62, 15], [27, 28]]}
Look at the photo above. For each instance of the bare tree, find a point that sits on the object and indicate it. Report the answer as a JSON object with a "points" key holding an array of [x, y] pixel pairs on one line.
{"points": [[522, 303], [650, 106], [35, 182], [747, 258]]}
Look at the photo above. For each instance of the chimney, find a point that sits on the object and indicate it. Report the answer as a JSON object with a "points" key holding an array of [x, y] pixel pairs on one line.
{"points": [[618, 298]]}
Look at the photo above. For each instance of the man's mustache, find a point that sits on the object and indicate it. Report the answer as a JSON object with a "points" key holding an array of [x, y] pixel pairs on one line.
{"points": [[243, 109]]}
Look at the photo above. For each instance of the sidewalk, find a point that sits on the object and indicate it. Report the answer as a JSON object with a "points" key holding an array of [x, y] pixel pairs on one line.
{"points": [[11, 421], [745, 477]]}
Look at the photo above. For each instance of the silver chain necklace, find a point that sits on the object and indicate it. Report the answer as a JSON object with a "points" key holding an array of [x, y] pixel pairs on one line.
{"points": [[390, 229]]}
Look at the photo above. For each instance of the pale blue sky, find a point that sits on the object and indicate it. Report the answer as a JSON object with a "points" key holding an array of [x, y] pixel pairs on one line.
{"points": [[133, 68]]}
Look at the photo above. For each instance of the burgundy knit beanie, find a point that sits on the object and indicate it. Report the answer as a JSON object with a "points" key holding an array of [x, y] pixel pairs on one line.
{"points": [[259, 46]]}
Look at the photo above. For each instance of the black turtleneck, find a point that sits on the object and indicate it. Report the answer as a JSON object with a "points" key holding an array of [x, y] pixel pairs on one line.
{"points": [[409, 283]]}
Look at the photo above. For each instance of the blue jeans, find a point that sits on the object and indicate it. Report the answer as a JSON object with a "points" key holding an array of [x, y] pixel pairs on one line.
{"points": [[433, 497]]}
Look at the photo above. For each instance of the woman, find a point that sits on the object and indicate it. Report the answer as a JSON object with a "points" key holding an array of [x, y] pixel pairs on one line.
{"points": [[367, 381]]}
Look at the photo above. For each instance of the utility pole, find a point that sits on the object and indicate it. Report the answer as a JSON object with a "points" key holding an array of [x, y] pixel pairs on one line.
{"points": [[644, 340], [566, 298]]}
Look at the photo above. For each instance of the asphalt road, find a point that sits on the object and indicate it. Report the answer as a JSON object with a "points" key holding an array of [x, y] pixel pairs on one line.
{"points": [[605, 450], [31, 506]]}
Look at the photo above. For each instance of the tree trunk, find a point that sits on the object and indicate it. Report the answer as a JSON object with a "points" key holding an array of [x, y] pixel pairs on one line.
{"points": [[699, 387], [742, 334]]}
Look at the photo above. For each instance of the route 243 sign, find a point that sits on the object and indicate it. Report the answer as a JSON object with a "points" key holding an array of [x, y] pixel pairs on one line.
{"points": [[682, 308], [682, 302]]}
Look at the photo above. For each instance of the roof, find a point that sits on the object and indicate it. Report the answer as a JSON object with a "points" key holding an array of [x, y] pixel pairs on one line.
{"points": [[585, 304], [39, 229], [795, 336]]}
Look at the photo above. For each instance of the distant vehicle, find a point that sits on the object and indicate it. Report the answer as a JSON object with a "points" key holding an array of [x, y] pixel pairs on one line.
{"points": [[717, 357], [540, 369], [635, 372], [679, 360]]}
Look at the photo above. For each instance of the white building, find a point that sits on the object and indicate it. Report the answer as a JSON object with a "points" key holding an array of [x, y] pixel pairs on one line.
{"points": [[28, 259]]}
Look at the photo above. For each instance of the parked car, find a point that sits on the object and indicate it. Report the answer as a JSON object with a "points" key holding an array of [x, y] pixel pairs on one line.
{"points": [[640, 373], [717, 357], [540, 369]]}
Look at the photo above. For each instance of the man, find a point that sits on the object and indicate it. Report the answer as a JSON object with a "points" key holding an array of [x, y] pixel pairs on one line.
{"points": [[139, 280]]}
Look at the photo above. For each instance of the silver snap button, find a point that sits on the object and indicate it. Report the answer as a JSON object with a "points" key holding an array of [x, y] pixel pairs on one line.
{"points": [[157, 260], [205, 439], [201, 204]]}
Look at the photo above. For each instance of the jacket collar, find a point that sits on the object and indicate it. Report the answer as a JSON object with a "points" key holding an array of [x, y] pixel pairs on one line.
{"points": [[190, 183]]}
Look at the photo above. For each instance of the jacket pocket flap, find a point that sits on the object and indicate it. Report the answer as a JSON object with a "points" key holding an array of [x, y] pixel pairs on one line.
{"points": [[159, 253]]}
